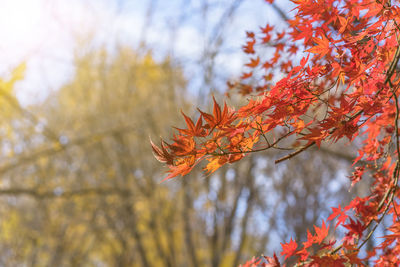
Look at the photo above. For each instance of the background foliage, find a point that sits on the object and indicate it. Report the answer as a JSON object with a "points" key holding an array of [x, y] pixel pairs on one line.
{"points": [[79, 185]]}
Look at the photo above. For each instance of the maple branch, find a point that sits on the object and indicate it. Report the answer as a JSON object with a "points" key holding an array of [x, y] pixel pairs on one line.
{"points": [[313, 143], [389, 74], [393, 65], [291, 155], [395, 176], [224, 153], [262, 133], [389, 194], [392, 189], [395, 210]]}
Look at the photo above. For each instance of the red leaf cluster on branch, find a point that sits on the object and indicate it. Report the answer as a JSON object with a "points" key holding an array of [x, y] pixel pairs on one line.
{"points": [[340, 64]]}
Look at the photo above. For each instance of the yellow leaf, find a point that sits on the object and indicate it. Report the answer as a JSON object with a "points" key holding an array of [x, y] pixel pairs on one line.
{"points": [[16, 75], [215, 163]]}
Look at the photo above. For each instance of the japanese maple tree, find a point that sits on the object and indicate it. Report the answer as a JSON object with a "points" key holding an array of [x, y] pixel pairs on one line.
{"points": [[332, 75]]}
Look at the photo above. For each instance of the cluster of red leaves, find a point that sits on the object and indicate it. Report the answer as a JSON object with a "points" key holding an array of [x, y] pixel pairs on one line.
{"points": [[344, 86]]}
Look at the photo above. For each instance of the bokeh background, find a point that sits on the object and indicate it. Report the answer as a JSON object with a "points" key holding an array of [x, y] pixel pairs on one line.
{"points": [[85, 83]]}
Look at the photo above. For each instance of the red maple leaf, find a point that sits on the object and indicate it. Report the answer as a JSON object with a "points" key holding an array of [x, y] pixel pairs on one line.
{"points": [[348, 85], [321, 233], [322, 47], [218, 117], [356, 230], [338, 212], [289, 249]]}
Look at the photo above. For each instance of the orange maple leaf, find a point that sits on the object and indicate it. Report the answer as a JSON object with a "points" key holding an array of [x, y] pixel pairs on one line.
{"points": [[322, 47], [321, 233], [219, 117], [253, 62], [180, 169], [215, 163], [162, 154], [192, 130]]}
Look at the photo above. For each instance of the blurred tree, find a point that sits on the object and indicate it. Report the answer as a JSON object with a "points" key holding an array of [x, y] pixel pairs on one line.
{"points": [[83, 165], [93, 177], [81, 187]]}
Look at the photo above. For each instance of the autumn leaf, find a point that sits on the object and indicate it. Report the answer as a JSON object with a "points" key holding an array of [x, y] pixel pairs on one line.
{"points": [[253, 62], [272, 261], [246, 75], [218, 117], [321, 233], [215, 163], [323, 98], [322, 47], [343, 23], [182, 169], [357, 175], [289, 249], [192, 129], [249, 47], [161, 154], [356, 229], [338, 212]]}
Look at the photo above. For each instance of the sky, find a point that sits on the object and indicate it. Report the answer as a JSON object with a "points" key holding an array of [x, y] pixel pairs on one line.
{"points": [[47, 34]]}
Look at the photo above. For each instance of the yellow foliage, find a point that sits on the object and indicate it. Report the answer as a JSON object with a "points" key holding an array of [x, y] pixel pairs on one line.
{"points": [[9, 104]]}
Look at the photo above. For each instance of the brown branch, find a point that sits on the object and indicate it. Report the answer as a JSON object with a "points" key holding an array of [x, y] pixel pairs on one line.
{"points": [[291, 155], [246, 216], [389, 74], [52, 150], [230, 220], [37, 193], [134, 229], [395, 175], [273, 145], [187, 227], [49, 133], [392, 189], [280, 12]]}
